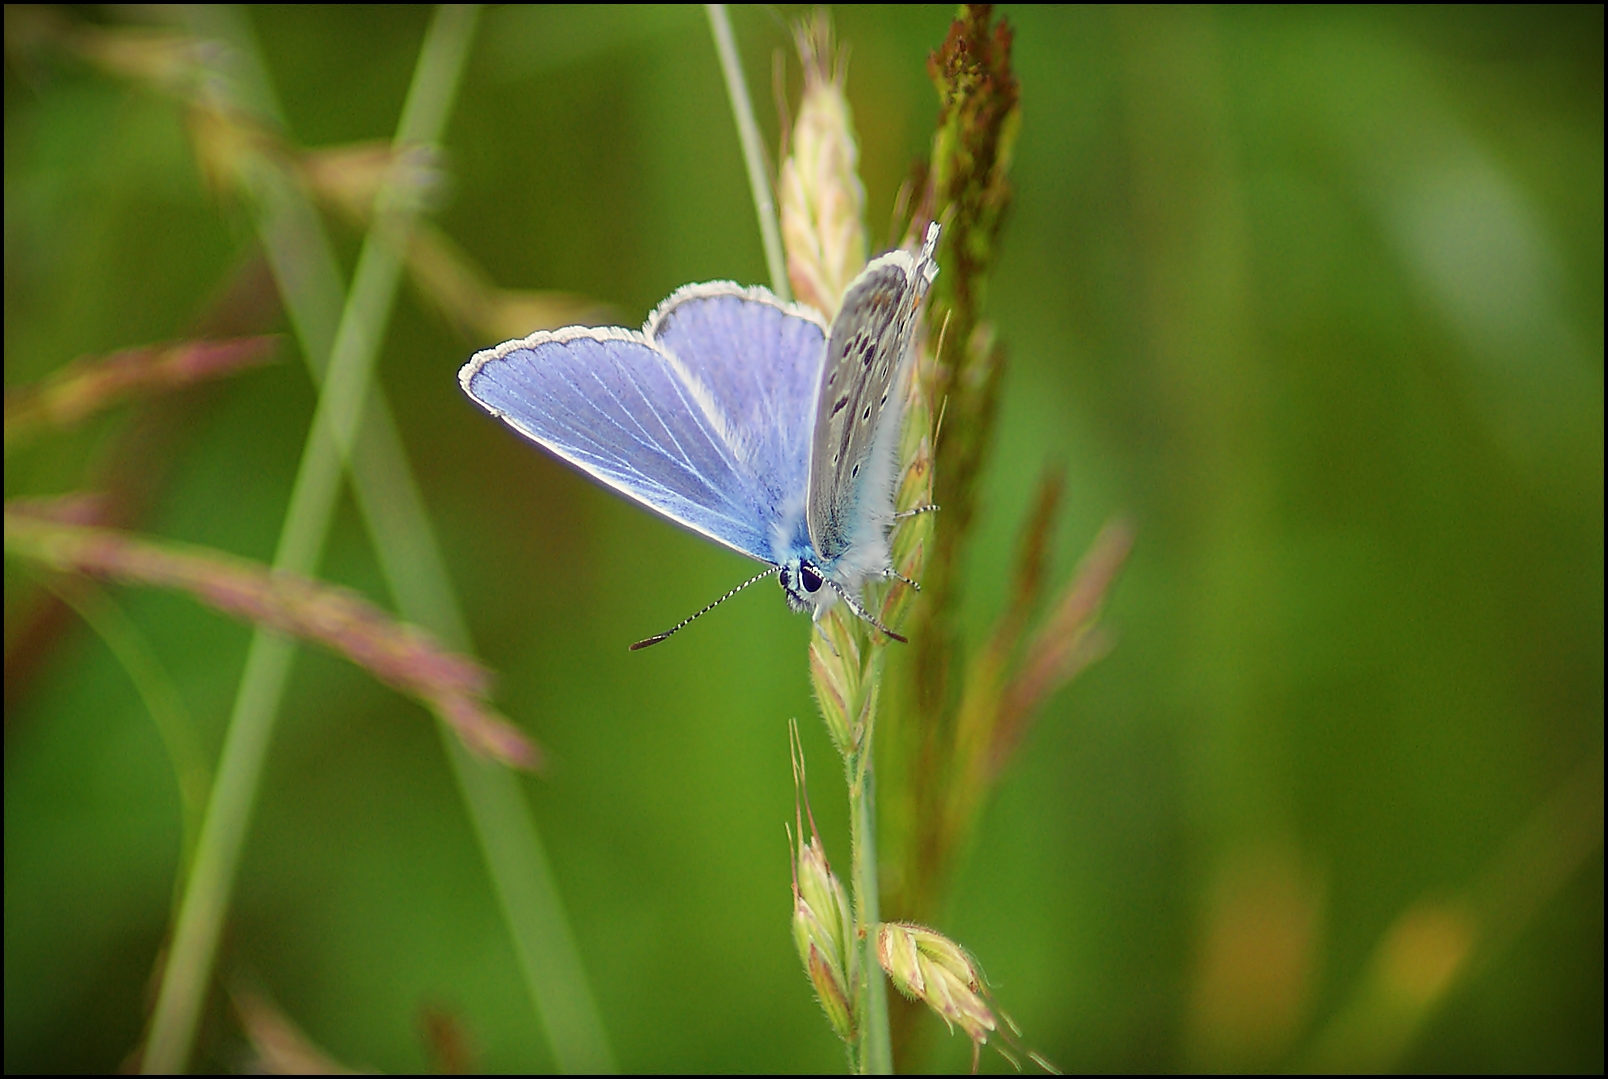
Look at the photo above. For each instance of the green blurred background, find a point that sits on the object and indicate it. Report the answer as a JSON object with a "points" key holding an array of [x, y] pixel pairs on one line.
{"points": [[1315, 296]]}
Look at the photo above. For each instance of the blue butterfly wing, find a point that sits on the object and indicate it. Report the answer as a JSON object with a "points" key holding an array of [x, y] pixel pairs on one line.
{"points": [[615, 406], [756, 362], [856, 433]]}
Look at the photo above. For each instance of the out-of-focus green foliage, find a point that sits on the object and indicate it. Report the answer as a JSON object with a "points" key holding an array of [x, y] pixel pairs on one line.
{"points": [[1315, 296]]}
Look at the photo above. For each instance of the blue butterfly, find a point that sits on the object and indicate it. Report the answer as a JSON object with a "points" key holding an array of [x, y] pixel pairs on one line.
{"points": [[748, 420]]}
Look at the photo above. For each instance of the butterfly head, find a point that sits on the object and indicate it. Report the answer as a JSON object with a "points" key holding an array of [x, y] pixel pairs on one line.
{"points": [[804, 585]]}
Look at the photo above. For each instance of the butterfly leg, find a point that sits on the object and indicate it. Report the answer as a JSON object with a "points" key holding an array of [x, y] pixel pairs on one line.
{"points": [[830, 647], [902, 577], [865, 615], [913, 512]]}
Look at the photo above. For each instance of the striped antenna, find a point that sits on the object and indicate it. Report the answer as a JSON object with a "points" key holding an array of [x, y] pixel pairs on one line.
{"points": [[657, 637]]}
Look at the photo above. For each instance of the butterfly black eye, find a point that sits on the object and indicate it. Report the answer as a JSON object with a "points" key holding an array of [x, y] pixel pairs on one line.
{"points": [[812, 580]]}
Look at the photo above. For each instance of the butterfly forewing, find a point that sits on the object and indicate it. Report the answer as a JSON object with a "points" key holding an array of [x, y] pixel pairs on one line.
{"points": [[616, 406], [864, 354]]}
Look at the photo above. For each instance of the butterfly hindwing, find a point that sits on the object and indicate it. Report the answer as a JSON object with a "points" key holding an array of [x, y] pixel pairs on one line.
{"points": [[753, 363]]}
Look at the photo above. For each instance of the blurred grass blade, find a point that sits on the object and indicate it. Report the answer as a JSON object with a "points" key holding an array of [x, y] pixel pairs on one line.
{"points": [[960, 371], [90, 385], [1032, 562], [161, 697], [1436, 943], [449, 280], [1061, 647], [304, 264], [368, 307], [347, 179], [447, 1045], [399, 655], [278, 1045], [753, 148]]}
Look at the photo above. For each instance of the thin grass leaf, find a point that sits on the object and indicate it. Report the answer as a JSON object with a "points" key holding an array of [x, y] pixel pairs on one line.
{"points": [[157, 691], [348, 179], [1441, 942], [1032, 557], [278, 1045], [759, 182], [268, 660], [449, 281], [1067, 641], [393, 511]]}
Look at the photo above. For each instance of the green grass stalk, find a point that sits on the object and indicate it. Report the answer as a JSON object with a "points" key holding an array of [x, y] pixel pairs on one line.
{"points": [[759, 183], [157, 692], [874, 1054], [188, 970], [823, 205], [846, 666], [393, 511]]}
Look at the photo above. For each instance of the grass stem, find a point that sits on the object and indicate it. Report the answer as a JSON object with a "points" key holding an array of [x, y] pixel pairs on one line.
{"points": [[207, 892], [158, 692], [394, 514], [742, 108], [874, 1055]]}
